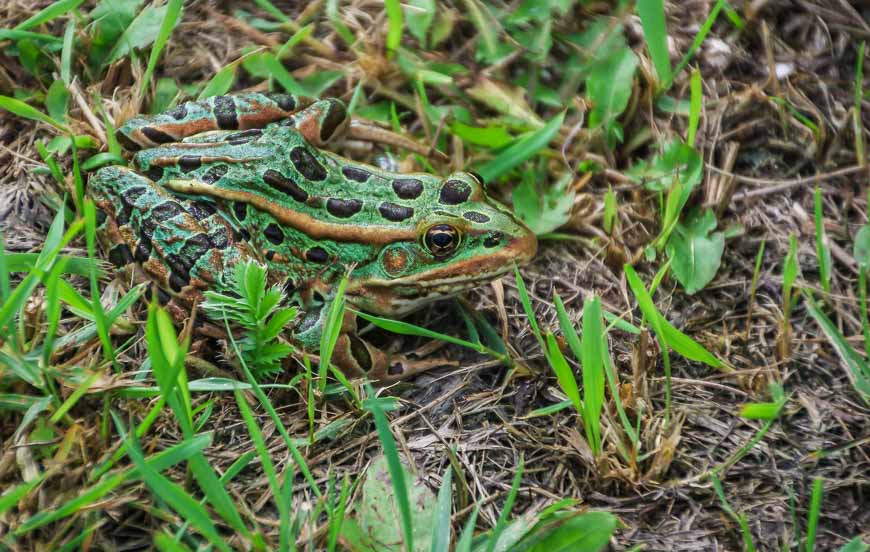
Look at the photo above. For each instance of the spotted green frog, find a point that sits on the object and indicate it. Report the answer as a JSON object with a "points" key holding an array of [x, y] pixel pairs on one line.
{"points": [[247, 177]]}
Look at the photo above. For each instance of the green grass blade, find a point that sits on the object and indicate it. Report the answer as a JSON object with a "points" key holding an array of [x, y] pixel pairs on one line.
{"points": [[522, 149], [695, 100], [397, 472], [700, 37], [404, 328], [813, 514], [395, 24], [12, 495], [46, 14], [465, 540], [563, 372], [748, 544], [655, 32], [17, 107], [857, 369], [170, 20], [823, 250], [441, 538], [506, 510], [593, 371], [331, 332], [172, 493]]}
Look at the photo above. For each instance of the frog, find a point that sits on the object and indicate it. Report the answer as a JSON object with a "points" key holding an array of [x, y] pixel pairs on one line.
{"points": [[252, 177]]}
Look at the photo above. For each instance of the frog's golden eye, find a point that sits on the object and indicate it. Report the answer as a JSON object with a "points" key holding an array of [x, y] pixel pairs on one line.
{"points": [[441, 240]]}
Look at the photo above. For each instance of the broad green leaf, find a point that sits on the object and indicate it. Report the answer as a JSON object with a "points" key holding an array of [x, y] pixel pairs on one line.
{"points": [[543, 209], [696, 251], [609, 86], [505, 98], [395, 24], [57, 100], [677, 162], [419, 14], [587, 532], [143, 30]]}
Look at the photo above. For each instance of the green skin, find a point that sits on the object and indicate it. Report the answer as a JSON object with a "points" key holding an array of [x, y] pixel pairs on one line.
{"points": [[211, 196]]}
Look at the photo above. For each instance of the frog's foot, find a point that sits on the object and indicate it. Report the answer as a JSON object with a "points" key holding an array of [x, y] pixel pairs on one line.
{"points": [[357, 358]]}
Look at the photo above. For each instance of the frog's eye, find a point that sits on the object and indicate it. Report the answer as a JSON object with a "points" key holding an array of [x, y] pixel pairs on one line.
{"points": [[441, 240]]}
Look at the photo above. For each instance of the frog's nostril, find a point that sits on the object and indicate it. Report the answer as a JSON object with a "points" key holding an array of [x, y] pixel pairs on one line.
{"points": [[493, 239]]}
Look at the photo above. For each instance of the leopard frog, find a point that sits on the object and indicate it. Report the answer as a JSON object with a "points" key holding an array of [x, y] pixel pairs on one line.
{"points": [[247, 177]]}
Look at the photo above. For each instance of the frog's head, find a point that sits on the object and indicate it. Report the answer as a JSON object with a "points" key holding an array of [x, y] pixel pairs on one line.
{"points": [[463, 239]]}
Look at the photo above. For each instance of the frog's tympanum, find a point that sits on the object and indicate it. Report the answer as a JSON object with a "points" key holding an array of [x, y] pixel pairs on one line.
{"points": [[233, 178]]}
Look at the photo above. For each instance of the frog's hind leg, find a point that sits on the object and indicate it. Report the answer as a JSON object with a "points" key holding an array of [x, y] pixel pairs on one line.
{"points": [[327, 121], [251, 110], [184, 246]]}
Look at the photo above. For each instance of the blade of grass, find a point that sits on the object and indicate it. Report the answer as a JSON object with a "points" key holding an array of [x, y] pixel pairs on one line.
{"points": [[441, 536], [506, 510], [395, 24], [748, 544], [523, 148], [170, 20], [857, 124], [397, 473], [593, 371], [17, 107], [66, 53], [655, 32], [823, 250], [52, 11], [695, 99], [173, 494], [700, 37], [813, 514]]}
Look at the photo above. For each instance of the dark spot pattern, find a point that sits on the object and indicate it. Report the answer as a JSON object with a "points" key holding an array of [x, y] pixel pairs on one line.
{"points": [[286, 185], [214, 174], [492, 240], [157, 136], [126, 141], [285, 101], [317, 255], [336, 114], [201, 210], [289, 287], [454, 192], [395, 369], [120, 255], [474, 216], [306, 164], [179, 112], [225, 113], [394, 212], [343, 208], [188, 163], [274, 234], [355, 174], [220, 239], [270, 254], [166, 210], [130, 195], [154, 172], [176, 282], [408, 188], [243, 136], [143, 250], [245, 234], [240, 209], [162, 296], [101, 217], [182, 263]]}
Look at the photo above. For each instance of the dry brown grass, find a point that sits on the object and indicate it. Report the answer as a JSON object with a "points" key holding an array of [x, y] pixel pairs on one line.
{"points": [[762, 165]]}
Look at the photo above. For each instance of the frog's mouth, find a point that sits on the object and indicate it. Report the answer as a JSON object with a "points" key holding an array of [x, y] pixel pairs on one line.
{"points": [[399, 296]]}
